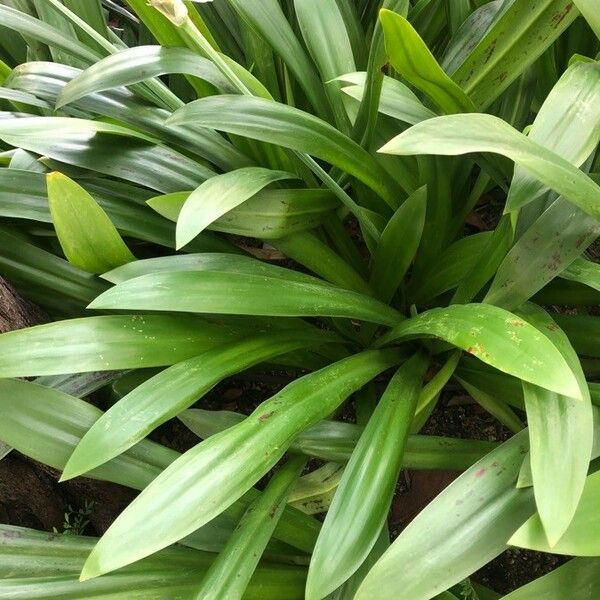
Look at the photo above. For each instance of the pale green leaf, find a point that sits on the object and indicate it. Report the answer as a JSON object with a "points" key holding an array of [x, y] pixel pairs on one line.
{"points": [[409, 55], [462, 529], [219, 195], [362, 501], [212, 475], [498, 338], [462, 134], [242, 294], [87, 236]]}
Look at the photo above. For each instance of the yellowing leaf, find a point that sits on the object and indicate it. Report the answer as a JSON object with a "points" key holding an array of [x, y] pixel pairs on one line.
{"points": [[87, 236]]}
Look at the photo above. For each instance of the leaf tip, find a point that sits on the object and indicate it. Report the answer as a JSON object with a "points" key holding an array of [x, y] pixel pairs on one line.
{"points": [[90, 568], [61, 100]]}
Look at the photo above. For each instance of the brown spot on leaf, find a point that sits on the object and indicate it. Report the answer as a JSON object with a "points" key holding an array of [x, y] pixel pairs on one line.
{"points": [[266, 416], [558, 17], [490, 51]]}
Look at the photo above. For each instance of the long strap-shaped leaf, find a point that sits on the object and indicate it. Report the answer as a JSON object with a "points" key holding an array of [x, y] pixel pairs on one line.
{"points": [[46, 424], [557, 421], [458, 532], [398, 245], [581, 538], [266, 17], [324, 31], [212, 475], [87, 236], [106, 343], [589, 11], [46, 80], [363, 498], [138, 64], [519, 34], [222, 292], [461, 134], [232, 570], [163, 396], [397, 100], [558, 236], [173, 573], [335, 441], [578, 579], [276, 123], [45, 33], [93, 145], [498, 338], [410, 56], [567, 123], [218, 195], [208, 261]]}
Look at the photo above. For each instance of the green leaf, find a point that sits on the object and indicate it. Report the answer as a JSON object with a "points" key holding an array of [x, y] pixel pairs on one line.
{"points": [[219, 195], [209, 261], [462, 134], [584, 271], [486, 265], [432, 389], [229, 575], [366, 118], [87, 236], [578, 579], [518, 35], [222, 292], [450, 269], [525, 475], [557, 421], [16, 96], [276, 123], [45, 278], [588, 9], [46, 80], [411, 57], [23, 195], [267, 18], [133, 65], [398, 245], [212, 475], [583, 332], [335, 441], [314, 491], [324, 32], [495, 405], [316, 255], [396, 100], [582, 537], [362, 501], [46, 425], [48, 14], [469, 34], [94, 145], [106, 343], [498, 338], [555, 239], [481, 506], [165, 395], [92, 13], [47, 34], [269, 214], [173, 573], [567, 123]]}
